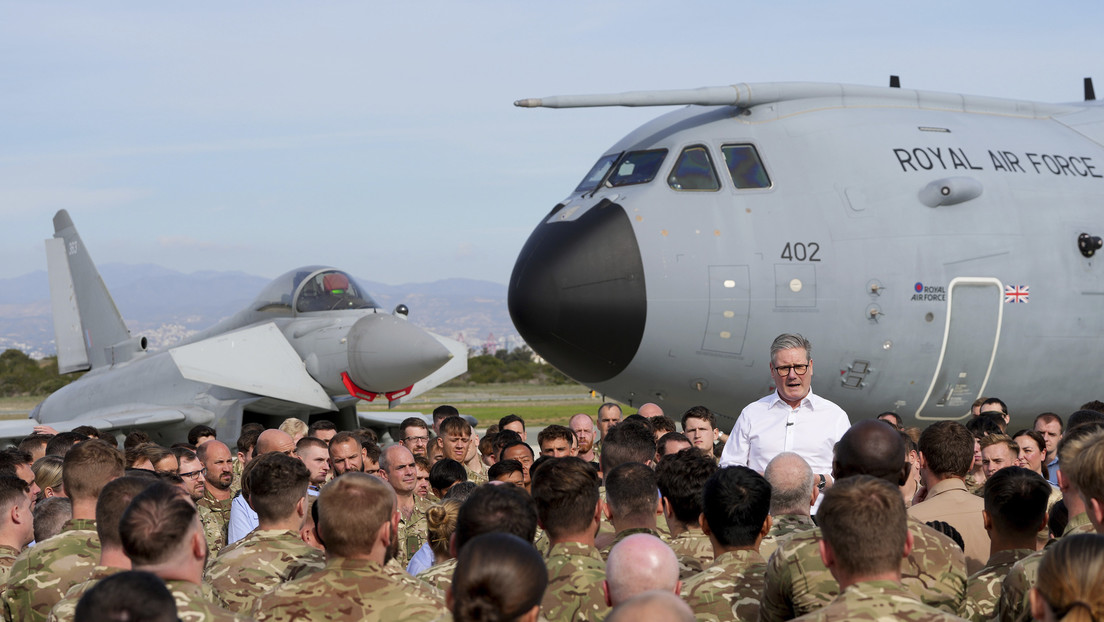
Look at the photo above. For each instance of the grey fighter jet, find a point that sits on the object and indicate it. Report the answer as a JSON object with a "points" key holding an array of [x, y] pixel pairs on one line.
{"points": [[934, 248], [311, 345]]}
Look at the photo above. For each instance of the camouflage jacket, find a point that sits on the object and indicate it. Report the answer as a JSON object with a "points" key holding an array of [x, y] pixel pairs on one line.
{"points": [[782, 526], [575, 575], [192, 605], [983, 589], [214, 514], [412, 531], [477, 477], [693, 544], [348, 590], [256, 564], [729, 589], [43, 573], [8, 555], [1014, 603], [439, 575], [66, 608], [797, 581], [877, 600]]}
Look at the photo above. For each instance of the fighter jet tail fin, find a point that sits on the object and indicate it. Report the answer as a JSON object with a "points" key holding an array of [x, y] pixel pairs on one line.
{"points": [[88, 328]]}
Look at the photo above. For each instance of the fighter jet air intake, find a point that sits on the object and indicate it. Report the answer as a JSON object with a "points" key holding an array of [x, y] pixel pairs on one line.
{"points": [[934, 247], [311, 345]]}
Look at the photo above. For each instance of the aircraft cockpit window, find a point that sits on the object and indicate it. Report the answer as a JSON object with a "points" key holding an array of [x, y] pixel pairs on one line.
{"points": [[332, 291], [745, 167], [694, 171], [637, 167], [597, 173]]}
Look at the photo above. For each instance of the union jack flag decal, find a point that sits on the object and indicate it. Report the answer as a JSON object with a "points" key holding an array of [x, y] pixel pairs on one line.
{"points": [[1016, 293]]}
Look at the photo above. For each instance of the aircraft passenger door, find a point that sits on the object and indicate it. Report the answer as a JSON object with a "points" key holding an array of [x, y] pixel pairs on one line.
{"points": [[975, 308]]}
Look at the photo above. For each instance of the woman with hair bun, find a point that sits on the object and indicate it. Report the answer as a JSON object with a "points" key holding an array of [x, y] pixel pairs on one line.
{"points": [[499, 578]]}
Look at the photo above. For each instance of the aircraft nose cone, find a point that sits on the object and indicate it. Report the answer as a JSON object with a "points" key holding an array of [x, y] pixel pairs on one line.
{"points": [[388, 354], [577, 293]]}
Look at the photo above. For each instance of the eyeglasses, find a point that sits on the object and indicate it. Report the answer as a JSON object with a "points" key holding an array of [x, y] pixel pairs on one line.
{"points": [[784, 370], [416, 439], [194, 474]]}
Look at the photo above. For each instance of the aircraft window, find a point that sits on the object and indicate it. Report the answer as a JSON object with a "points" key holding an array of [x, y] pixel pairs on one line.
{"points": [[694, 171], [332, 291], [637, 167], [745, 167], [597, 173]]}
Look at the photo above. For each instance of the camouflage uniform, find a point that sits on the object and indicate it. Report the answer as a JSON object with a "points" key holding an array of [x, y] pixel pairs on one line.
{"points": [[412, 531], [877, 600], [782, 526], [542, 542], [983, 589], [688, 566], [348, 590], [256, 564], [973, 485], [478, 477], [693, 544], [215, 516], [1014, 603], [44, 572], [66, 608], [193, 605], [575, 575], [797, 581], [729, 589], [8, 556], [439, 575]]}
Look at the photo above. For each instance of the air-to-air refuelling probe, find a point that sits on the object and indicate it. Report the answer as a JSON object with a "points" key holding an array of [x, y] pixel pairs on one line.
{"points": [[933, 247], [310, 345]]}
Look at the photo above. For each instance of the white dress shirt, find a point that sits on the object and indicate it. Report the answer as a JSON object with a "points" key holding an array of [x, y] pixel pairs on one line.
{"points": [[769, 427], [242, 520]]}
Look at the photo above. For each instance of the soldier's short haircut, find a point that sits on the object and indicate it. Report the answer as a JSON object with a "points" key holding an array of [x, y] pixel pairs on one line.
{"points": [[627, 442], [1070, 446], [504, 438], [566, 493], [631, 491], [991, 401], [277, 482], [351, 511], [12, 458], [980, 427], [12, 491], [699, 412], [671, 437], [372, 451], [948, 448], [89, 431], [320, 425], [366, 436], [513, 444], [146, 451], [88, 467], [198, 431], [1096, 405], [345, 437], [1051, 418], [791, 481], [607, 406], [498, 577], [62, 442], [35, 442], [1088, 467], [444, 411], [508, 419], [506, 509], [50, 515], [1000, 439], [789, 341], [157, 523], [113, 500], [412, 422], [183, 453], [556, 432], [735, 502], [309, 441], [1084, 416], [455, 425], [850, 507], [504, 468], [446, 472], [131, 596], [460, 491], [662, 423], [1016, 500], [135, 437]]}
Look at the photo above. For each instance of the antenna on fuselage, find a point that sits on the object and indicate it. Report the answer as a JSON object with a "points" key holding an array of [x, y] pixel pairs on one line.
{"points": [[894, 82], [1090, 93]]}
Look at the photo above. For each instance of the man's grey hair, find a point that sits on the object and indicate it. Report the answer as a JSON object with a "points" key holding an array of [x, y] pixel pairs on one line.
{"points": [[787, 341], [791, 481]]}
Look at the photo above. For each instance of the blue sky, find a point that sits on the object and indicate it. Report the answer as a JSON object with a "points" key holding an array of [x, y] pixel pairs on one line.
{"points": [[381, 137]]}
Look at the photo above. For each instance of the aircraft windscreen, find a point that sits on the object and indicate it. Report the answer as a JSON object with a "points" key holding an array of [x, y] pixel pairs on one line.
{"points": [[745, 167], [332, 290], [597, 173], [637, 167]]}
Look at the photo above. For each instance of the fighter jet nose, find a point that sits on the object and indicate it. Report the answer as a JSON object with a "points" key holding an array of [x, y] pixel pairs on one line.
{"points": [[577, 293], [387, 353]]}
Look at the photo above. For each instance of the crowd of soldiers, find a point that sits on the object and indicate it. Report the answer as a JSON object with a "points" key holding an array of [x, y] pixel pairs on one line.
{"points": [[614, 518]]}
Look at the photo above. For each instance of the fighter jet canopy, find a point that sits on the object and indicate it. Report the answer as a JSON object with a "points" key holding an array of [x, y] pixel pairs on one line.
{"points": [[312, 288]]}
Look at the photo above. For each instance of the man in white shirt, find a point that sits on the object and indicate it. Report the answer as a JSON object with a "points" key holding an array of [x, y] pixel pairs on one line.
{"points": [[790, 419]]}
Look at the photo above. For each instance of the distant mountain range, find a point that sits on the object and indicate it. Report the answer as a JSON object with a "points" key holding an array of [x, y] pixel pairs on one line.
{"points": [[165, 305]]}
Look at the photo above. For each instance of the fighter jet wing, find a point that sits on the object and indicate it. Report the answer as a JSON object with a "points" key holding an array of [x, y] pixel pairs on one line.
{"points": [[256, 360], [106, 419]]}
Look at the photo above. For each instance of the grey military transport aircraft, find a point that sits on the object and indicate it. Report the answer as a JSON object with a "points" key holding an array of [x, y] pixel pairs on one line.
{"points": [[311, 345], [933, 247]]}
